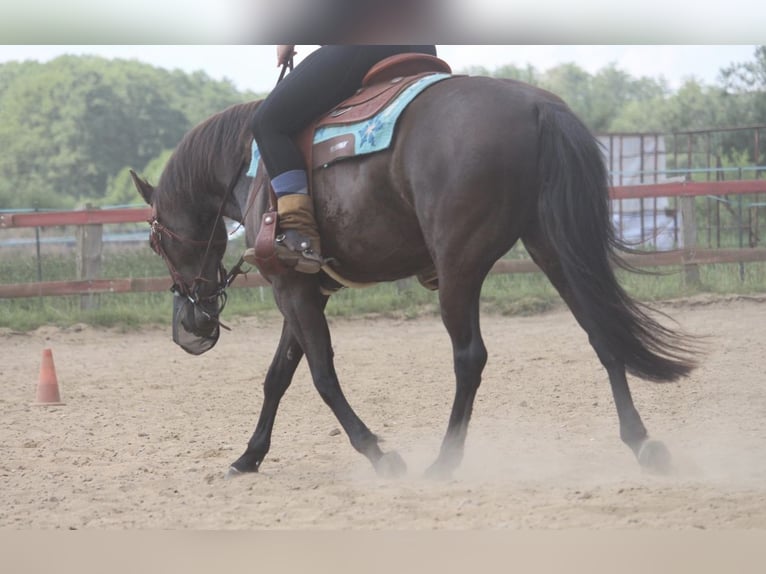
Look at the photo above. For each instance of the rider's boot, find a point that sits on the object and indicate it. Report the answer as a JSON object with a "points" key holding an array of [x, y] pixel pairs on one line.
{"points": [[297, 244]]}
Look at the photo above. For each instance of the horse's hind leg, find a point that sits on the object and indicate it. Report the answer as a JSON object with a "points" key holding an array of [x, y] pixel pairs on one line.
{"points": [[459, 300], [651, 454], [278, 378]]}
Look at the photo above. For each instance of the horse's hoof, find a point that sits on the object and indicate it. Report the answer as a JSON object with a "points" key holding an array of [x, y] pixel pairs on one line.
{"points": [[438, 471], [391, 465], [232, 473], [655, 457]]}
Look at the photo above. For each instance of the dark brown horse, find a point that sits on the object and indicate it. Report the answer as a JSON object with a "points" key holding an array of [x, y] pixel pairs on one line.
{"points": [[477, 164]]}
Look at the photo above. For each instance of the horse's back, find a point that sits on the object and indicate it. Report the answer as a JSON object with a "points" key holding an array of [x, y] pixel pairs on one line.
{"points": [[468, 125]]}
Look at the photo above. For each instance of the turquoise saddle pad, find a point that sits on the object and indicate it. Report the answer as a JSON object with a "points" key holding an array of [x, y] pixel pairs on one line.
{"points": [[371, 135]]}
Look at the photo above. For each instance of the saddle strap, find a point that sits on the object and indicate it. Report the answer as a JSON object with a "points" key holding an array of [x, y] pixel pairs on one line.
{"points": [[265, 255]]}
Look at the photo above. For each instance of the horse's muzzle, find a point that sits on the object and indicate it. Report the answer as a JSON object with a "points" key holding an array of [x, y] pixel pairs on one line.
{"points": [[195, 328]]}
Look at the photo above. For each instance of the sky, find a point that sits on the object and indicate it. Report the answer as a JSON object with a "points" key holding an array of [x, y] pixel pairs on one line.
{"points": [[253, 67]]}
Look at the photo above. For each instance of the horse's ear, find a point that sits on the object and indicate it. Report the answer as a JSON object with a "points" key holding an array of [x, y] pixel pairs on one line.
{"points": [[144, 187]]}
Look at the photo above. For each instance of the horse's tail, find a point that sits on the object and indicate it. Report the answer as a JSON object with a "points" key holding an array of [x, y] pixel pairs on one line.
{"points": [[574, 217]]}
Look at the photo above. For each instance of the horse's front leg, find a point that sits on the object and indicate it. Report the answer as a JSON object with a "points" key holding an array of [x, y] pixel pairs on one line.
{"points": [[303, 307], [278, 378]]}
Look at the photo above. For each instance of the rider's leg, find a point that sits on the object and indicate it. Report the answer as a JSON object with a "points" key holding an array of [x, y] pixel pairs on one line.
{"points": [[322, 80]]}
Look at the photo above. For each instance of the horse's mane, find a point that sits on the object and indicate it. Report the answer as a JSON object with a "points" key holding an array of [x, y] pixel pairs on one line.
{"points": [[192, 165]]}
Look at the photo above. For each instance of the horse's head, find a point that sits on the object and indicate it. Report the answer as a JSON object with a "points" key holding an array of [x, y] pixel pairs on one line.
{"points": [[191, 238]]}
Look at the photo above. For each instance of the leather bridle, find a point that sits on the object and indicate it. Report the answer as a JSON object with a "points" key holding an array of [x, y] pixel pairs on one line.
{"points": [[180, 287]]}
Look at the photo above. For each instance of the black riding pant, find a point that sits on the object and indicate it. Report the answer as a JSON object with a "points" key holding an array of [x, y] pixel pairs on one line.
{"points": [[322, 80]]}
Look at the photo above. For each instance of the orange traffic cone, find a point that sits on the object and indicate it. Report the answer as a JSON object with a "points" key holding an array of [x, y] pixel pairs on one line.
{"points": [[48, 386]]}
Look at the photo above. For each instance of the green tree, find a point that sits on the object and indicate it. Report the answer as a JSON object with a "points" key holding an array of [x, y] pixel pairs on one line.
{"points": [[572, 84], [69, 126], [744, 84], [747, 76], [612, 90], [122, 190], [526, 74], [599, 99], [693, 107]]}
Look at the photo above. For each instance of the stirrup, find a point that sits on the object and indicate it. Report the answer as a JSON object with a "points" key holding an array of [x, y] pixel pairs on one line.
{"points": [[295, 251]]}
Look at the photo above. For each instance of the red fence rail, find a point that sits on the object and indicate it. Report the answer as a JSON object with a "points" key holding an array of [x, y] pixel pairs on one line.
{"points": [[689, 189], [78, 217], [690, 256], [139, 214], [94, 286]]}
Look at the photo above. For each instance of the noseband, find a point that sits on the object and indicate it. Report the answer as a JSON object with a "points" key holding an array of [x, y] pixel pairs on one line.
{"points": [[180, 287]]}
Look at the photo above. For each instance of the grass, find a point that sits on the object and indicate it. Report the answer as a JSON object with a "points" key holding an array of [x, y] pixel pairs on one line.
{"points": [[506, 294]]}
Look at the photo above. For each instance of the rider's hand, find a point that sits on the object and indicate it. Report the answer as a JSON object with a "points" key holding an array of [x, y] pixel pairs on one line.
{"points": [[285, 52]]}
